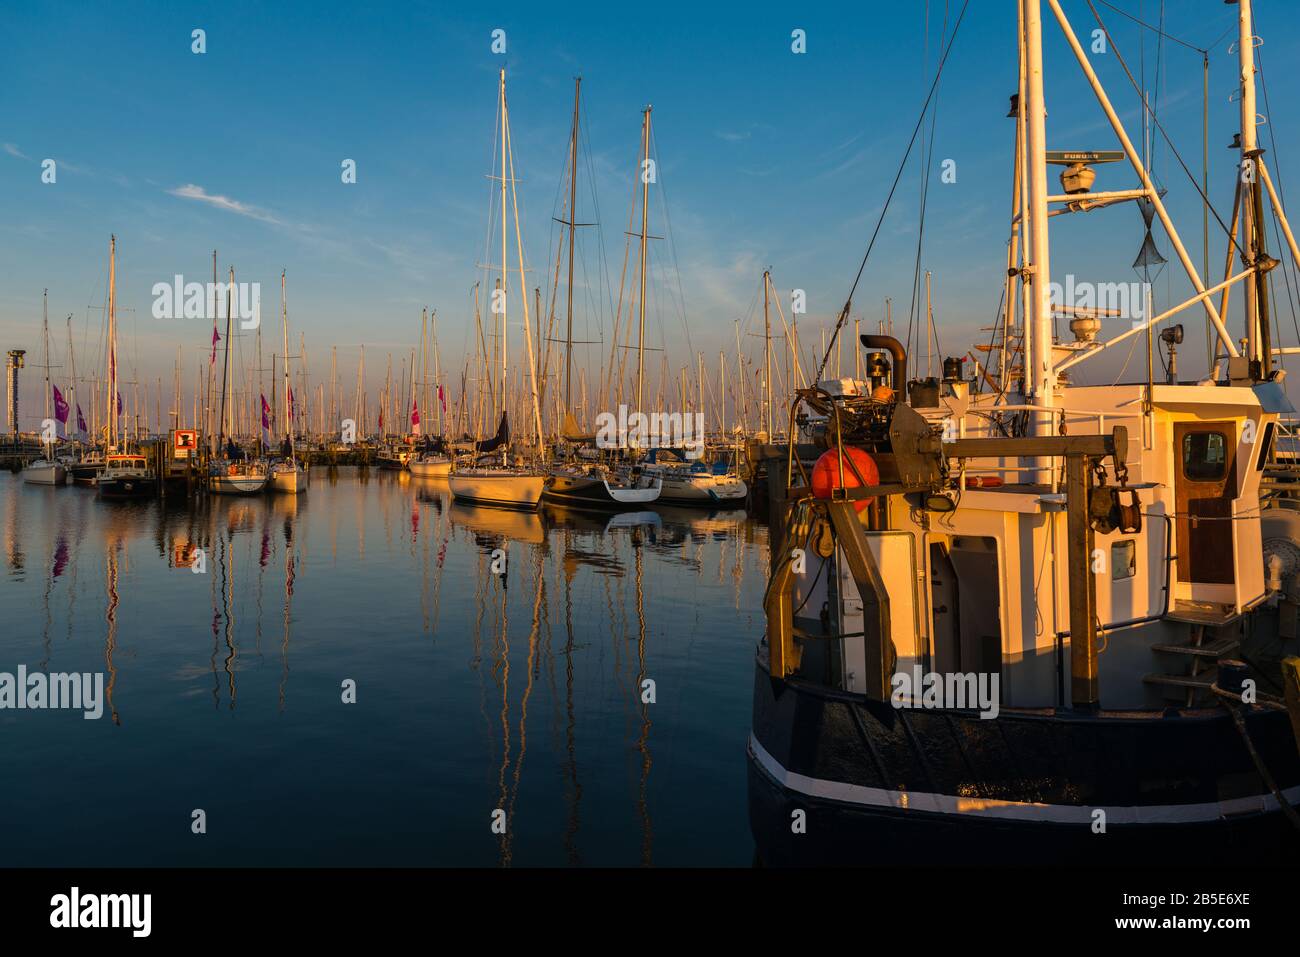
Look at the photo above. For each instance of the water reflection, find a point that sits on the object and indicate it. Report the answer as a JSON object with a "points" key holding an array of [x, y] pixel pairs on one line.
{"points": [[602, 726]]}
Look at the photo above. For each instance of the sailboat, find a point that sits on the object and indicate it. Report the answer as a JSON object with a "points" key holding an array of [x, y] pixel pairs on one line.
{"points": [[46, 470], [126, 474], [434, 460], [505, 484], [233, 473], [1051, 622], [585, 484], [288, 474]]}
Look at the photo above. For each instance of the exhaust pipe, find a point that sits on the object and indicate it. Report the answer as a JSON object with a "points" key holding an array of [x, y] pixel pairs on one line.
{"points": [[895, 348]]}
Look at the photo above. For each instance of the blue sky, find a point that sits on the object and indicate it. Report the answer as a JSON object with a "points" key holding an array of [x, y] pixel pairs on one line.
{"points": [[767, 158]]}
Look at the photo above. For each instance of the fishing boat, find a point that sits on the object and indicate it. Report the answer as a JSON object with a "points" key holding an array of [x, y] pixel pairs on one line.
{"points": [[126, 476], [1042, 623]]}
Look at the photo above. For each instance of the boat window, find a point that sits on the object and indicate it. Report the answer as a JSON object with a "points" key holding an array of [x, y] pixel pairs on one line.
{"points": [[1265, 447], [1123, 560], [1205, 456]]}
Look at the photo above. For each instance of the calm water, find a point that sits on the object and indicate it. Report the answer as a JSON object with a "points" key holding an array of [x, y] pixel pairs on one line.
{"points": [[474, 691]]}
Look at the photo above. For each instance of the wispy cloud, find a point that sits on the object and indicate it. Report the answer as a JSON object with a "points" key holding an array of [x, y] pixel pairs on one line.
{"points": [[733, 137], [191, 191], [15, 151]]}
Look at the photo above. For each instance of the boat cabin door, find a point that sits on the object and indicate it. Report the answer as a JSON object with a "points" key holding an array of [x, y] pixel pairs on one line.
{"points": [[1204, 486]]}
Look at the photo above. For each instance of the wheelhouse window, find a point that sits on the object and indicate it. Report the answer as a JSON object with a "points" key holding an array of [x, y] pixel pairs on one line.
{"points": [[1123, 560], [1205, 456]]}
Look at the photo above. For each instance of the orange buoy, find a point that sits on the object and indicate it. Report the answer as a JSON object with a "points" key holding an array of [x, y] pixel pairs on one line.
{"points": [[826, 473]]}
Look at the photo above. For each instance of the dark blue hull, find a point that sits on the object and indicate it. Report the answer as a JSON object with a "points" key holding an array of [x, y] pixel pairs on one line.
{"points": [[884, 786]]}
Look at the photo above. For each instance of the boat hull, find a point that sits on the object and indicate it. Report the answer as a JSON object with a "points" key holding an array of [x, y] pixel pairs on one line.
{"points": [[126, 487], [881, 786], [237, 484], [594, 492], [504, 489], [704, 491], [290, 481], [45, 473], [85, 473], [430, 469]]}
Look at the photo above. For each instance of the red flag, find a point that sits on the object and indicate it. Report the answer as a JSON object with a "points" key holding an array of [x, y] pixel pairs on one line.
{"points": [[215, 339], [442, 399]]}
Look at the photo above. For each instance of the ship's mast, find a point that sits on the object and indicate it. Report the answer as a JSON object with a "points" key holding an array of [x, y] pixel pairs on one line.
{"points": [[112, 342], [573, 222], [1040, 379], [645, 211], [504, 272], [1252, 205], [284, 322]]}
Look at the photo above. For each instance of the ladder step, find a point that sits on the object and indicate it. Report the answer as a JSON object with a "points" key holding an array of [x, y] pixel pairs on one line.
{"points": [[1214, 649], [1202, 681]]}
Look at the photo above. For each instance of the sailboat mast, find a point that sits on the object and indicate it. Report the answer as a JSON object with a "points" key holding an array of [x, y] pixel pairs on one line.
{"points": [[767, 358], [112, 341], [284, 322], [504, 272], [573, 223], [645, 211], [45, 328], [225, 366]]}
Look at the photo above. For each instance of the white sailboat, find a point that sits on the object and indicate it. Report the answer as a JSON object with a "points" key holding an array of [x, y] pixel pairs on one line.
{"points": [[288, 474], [232, 474], [46, 470], [505, 485]]}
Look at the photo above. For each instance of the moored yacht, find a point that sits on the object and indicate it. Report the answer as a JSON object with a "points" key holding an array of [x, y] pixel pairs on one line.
{"points": [[594, 486], [45, 471]]}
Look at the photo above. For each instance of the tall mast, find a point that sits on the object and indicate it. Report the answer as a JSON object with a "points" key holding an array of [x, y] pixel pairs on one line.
{"points": [[645, 211], [1039, 375], [504, 272], [767, 359], [72, 382], [112, 341], [225, 366], [1252, 205], [45, 328], [284, 322], [573, 222]]}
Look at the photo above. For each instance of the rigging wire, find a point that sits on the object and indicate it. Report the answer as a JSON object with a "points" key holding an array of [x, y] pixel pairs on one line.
{"points": [[1159, 126], [848, 303]]}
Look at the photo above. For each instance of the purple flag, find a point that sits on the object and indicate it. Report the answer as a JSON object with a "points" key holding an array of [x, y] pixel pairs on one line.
{"points": [[60, 405]]}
